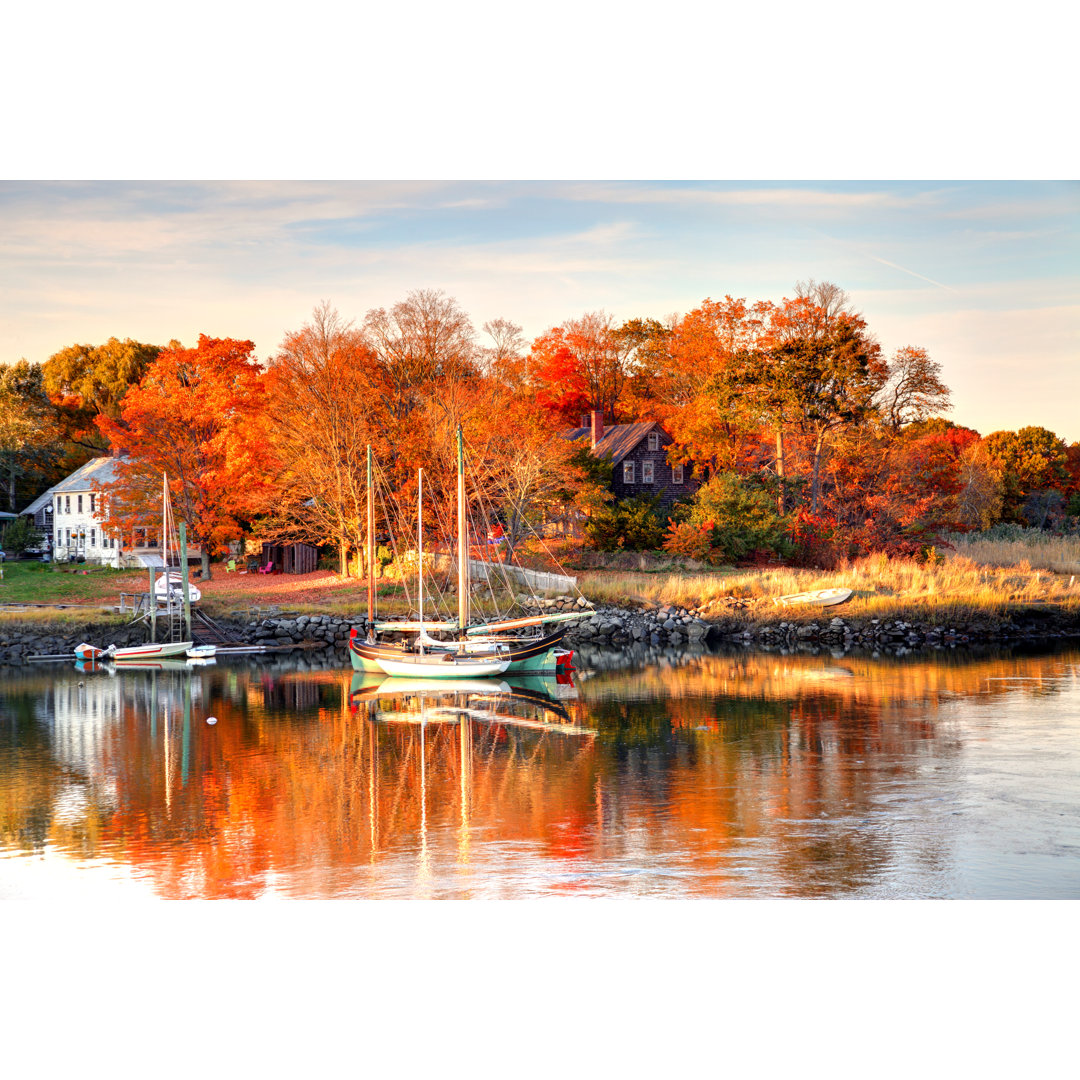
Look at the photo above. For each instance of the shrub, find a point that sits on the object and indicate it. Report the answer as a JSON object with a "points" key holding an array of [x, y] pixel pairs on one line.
{"points": [[689, 540], [627, 526], [18, 535], [740, 518]]}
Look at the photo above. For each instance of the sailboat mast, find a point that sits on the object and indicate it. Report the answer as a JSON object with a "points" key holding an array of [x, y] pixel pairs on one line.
{"points": [[420, 548], [463, 540], [370, 548]]}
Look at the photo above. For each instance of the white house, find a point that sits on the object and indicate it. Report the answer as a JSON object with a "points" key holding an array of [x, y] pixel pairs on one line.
{"points": [[76, 529], [76, 521]]}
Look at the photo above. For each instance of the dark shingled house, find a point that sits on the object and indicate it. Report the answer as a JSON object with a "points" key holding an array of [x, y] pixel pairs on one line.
{"points": [[639, 454]]}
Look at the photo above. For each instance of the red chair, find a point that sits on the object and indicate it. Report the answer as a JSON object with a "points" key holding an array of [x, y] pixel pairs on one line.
{"points": [[268, 568]]}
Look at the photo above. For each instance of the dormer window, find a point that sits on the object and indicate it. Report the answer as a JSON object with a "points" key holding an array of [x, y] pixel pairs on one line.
{"points": [[654, 441]]}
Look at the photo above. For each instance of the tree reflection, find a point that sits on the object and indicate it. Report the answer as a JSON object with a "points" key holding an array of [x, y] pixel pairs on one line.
{"points": [[722, 775]]}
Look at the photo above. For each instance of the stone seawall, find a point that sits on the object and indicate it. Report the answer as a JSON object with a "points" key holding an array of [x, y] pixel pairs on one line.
{"points": [[326, 637]]}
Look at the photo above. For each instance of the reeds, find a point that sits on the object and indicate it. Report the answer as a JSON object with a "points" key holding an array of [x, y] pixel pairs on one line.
{"points": [[950, 587], [1025, 549]]}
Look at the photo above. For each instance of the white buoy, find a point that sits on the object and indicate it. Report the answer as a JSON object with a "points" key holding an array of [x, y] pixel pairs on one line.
{"points": [[211, 719]]}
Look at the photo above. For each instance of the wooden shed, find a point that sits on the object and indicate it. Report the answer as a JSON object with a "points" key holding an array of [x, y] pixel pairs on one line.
{"points": [[291, 558]]}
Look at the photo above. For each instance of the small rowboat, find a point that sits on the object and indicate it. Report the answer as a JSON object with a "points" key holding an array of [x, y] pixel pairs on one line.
{"points": [[822, 598], [151, 650], [202, 652], [88, 652]]}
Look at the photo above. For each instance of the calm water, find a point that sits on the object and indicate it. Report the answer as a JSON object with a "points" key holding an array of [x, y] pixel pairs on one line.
{"points": [[752, 775]]}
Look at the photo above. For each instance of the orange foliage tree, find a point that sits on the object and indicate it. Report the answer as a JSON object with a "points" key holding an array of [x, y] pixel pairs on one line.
{"points": [[582, 365], [198, 415]]}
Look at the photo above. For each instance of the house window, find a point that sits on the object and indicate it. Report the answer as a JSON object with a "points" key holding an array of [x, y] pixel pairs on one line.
{"points": [[58, 504], [78, 500], [646, 472], [69, 537], [93, 540], [676, 474], [59, 537], [628, 472], [67, 504], [654, 441], [91, 504]]}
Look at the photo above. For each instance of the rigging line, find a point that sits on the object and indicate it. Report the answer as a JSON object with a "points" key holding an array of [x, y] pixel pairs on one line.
{"points": [[547, 552], [502, 572], [482, 532], [381, 482], [382, 485]]}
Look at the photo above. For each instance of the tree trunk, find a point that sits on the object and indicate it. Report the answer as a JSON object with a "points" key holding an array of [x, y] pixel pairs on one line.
{"points": [[817, 472], [780, 470], [344, 559], [205, 562]]}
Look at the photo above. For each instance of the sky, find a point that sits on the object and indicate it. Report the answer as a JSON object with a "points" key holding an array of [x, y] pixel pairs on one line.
{"points": [[983, 274]]}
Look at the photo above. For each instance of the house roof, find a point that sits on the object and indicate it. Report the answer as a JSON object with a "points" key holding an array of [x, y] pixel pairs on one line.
{"points": [[99, 470], [40, 502], [618, 440]]}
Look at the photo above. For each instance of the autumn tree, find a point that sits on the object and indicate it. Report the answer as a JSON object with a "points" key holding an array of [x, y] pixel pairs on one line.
{"points": [[812, 371], [580, 366], [323, 411], [422, 339], [700, 347], [505, 358], [198, 416], [30, 441], [520, 465], [913, 389], [86, 381], [1029, 460]]}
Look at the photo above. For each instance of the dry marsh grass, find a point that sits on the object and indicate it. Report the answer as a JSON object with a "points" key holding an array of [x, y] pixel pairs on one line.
{"points": [[1029, 551], [949, 588]]}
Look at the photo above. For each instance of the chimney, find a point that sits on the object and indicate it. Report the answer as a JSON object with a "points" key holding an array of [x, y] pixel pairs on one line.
{"points": [[597, 426]]}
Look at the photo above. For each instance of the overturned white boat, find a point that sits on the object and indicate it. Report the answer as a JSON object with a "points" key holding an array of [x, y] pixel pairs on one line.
{"points": [[822, 598]]}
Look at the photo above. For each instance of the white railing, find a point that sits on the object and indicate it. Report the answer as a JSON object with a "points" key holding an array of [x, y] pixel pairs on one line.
{"points": [[479, 570], [541, 580]]}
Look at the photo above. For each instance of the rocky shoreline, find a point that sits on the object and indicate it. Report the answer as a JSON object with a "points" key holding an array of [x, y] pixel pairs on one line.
{"points": [[609, 626]]}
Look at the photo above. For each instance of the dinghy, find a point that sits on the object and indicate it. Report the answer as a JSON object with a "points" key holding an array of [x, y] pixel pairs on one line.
{"points": [[202, 652], [88, 652], [822, 598], [152, 650]]}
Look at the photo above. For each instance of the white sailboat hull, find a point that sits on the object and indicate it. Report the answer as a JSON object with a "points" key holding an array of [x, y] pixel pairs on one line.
{"points": [[443, 667]]}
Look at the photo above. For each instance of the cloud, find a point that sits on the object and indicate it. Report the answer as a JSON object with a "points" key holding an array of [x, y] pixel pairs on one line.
{"points": [[792, 198]]}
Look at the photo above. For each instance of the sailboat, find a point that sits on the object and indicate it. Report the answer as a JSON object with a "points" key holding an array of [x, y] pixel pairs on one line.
{"points": [[538, 654], [437, 664]]}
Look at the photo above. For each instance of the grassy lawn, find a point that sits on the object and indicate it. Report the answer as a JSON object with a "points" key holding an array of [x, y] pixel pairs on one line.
{"points": [[41, 583], [321, 591]]}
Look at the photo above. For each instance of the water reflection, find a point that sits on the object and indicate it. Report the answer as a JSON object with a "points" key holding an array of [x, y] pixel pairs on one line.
{"points": [[708, 775]]}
